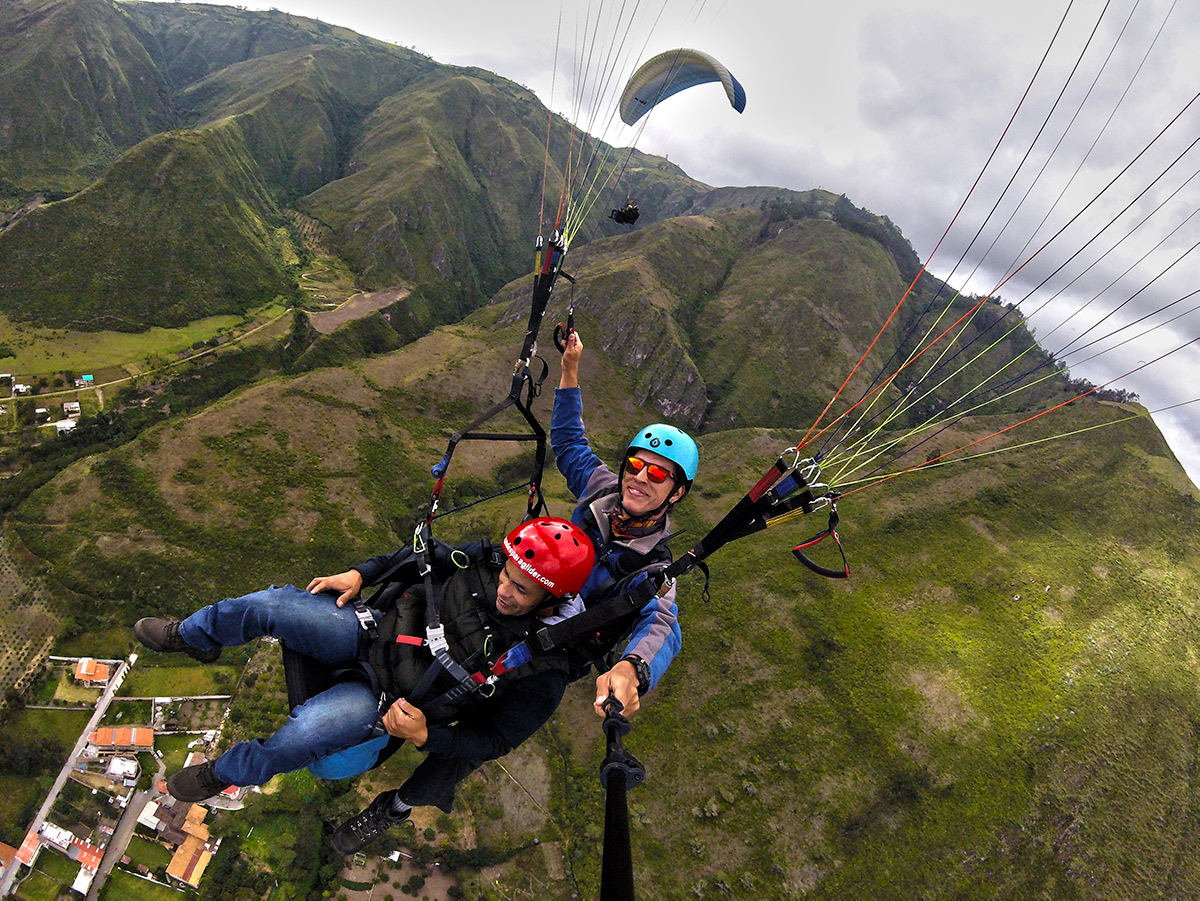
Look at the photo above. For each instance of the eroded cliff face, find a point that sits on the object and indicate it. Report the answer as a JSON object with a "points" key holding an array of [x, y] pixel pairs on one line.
{"points": [[662, 373]]}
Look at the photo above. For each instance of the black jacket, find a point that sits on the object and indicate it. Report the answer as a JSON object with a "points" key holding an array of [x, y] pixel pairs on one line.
{"points": [[474, 727]]}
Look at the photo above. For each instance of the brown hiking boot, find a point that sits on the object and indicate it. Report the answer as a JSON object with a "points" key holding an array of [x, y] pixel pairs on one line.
{"points": [[159, 633]]}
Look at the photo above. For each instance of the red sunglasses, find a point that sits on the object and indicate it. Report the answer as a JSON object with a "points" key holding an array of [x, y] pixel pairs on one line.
{"points": [[655, 473]]}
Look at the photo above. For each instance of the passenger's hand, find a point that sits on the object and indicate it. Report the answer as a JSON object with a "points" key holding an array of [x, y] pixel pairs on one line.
{"points": [[621, 681], [403, 720], [570, 361], [347, 584]]}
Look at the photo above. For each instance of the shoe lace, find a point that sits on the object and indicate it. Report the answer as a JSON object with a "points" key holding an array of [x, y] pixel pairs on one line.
{"points": [[375, 819], [207, 777]]}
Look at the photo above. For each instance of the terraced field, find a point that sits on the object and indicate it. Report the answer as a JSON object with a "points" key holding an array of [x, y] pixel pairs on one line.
{"points": [[28, 622]]}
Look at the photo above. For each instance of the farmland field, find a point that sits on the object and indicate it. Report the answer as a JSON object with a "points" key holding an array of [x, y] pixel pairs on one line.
{"points": [[48, 350]]}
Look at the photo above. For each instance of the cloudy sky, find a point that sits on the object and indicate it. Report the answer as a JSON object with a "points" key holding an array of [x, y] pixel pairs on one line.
{"points": [[900, 106]]}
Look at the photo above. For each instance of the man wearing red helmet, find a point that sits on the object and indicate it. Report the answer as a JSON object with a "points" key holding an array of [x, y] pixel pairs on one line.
{"points": [[476, 703]]}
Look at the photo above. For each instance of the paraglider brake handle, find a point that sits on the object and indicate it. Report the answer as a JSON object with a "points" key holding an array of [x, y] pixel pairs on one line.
{"points": [[830, 531], [563, 333]]}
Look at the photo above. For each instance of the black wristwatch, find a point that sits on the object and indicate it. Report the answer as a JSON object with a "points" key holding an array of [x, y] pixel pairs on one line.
{"points": [[642, 668]]}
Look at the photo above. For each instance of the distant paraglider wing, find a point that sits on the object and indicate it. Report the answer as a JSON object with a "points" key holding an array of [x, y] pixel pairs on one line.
{"points": [[672, 72]]}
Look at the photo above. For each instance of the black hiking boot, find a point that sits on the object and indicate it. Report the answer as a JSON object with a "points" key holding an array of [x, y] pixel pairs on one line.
{"points": [[196, 783], [159, 633], [363, 828]]}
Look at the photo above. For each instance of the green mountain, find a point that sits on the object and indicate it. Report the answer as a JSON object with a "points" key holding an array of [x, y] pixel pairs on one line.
{"points": [[428, 175], [77, 88], [1000, 702]]}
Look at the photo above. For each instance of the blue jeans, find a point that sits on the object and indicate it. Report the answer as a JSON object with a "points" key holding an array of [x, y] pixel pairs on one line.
{"points": [[311, 624]]}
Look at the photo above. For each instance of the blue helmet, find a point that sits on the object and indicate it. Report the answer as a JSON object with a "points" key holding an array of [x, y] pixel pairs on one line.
{"points": [[672, 443]]}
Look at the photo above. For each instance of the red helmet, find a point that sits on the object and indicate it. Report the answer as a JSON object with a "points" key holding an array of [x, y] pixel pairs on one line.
{"points": [[556, 553]]}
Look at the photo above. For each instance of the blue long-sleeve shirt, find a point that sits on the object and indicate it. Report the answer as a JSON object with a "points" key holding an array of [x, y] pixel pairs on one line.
{"points": [[656, 636]]}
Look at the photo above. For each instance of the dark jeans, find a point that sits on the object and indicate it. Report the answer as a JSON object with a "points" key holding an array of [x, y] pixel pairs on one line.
{"points": [[312, 624]]}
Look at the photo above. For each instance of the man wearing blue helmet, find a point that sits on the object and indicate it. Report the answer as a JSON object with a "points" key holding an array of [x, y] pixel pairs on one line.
{"points": [[627, 516]]}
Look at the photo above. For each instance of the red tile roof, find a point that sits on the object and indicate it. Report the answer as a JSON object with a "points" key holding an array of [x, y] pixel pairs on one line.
{"points": [[89, 670], [124, 737], [28, 848], [89, 855]]}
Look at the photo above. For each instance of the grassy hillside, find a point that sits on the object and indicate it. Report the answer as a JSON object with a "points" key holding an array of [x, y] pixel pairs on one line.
{"points": [[84, 80], [190, 41], [179, 228], [77, 89], [301, 110], [999, 703]]}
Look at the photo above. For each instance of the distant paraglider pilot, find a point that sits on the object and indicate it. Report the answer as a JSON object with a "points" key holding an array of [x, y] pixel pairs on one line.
{"points": [[627, 215]]}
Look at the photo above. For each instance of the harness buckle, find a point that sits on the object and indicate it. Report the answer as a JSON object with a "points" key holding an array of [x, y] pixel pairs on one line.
{"points": [[436, 637], [366, 619]]}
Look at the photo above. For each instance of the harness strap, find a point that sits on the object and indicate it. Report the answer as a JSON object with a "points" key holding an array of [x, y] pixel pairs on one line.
{"points": [[549, 256], [536, 505], [435, 635], [591, 619]]}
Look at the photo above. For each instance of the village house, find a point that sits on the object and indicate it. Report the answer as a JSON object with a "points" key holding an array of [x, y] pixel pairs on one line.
{"points": [[65, 425], [106, 740], [182, 825], [71, 408], [87, 855], [92, 673], [123, 770], [30, 847]]}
